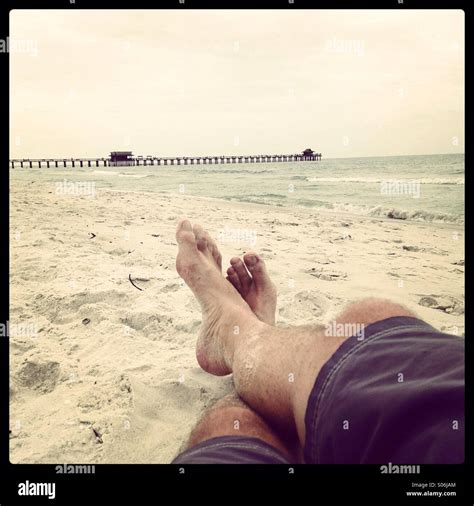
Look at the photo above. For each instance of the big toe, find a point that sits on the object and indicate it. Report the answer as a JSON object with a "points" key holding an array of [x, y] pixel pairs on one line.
{"points": [[184, 236], [257, 268]]}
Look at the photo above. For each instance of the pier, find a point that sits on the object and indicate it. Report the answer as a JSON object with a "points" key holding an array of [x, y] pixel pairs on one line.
{"points": [[126, 159]]}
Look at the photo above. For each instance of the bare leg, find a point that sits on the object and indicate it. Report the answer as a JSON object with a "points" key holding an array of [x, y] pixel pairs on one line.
{"points": [[274, 369], [230, 416], [275, 372]]}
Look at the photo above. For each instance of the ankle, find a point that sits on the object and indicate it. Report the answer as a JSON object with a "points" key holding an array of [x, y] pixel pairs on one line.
{"points": [[245, 343]]}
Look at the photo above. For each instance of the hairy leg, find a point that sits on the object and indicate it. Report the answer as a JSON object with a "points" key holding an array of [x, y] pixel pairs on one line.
{"points": [[275, 371], [231, 416]]}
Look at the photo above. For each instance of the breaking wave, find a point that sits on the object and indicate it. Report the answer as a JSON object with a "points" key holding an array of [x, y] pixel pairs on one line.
{"points": [[105, 172], [416, 215], [423, 180], [377, 211]]}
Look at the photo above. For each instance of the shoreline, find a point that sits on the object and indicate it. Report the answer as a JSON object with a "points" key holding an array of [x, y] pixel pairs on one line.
{"points": [[379, 210], [302, 209]]}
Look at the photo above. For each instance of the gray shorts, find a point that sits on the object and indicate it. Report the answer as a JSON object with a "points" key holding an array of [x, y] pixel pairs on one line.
{"points": [[396, 395]]}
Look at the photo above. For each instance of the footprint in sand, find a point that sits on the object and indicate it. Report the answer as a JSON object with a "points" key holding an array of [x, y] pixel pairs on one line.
{"points": [[172, 287], [306, 305], [187, 393], [39, 376], [118, 252], [152, 325], [190, 327], [113, 390], [162, 404], [327, 275], [19, 345], [445, 303], [412, 248], [453, 329], [64, 309]]}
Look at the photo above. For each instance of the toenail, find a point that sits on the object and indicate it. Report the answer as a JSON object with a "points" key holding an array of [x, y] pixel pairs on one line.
{"points": [[252, 260]]}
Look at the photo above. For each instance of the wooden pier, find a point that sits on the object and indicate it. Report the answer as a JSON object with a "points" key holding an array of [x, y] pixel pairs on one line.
{"points": [[126, 159]]}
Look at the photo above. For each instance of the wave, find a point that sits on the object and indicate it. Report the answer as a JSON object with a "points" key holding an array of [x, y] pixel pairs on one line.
{"points": [[416, 215], [266, 198], [106, 172], [398, 214], [262, 196], [314, 203], [360, 210], [227, 171], [435, 180]]}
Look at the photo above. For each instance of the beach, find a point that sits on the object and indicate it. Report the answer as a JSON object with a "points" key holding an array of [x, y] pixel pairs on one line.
{"points": [[102, 345]]}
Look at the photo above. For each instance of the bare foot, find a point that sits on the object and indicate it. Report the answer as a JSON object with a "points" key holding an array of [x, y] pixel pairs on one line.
{"points": [[250, 278], [225, 315]]}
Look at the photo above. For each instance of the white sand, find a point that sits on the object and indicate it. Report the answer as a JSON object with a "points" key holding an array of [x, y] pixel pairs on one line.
{"points": [[131, 371]]}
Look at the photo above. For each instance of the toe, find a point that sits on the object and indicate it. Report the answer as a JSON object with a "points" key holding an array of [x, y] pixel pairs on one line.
{"points": [[257, 268], [242, 273], [185, 236], [212, 245], [234, 279], [187, 248], [184, 225], [217, 257], [202, 239]]}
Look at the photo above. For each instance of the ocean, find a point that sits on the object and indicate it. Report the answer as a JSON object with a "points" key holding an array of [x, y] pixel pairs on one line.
{"points": [[420, 187]]}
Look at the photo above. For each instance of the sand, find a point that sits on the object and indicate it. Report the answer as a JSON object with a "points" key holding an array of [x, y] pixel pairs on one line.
{"points": [[107, 372]]}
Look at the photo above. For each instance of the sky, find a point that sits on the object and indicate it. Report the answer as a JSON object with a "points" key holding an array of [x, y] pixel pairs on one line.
{"points": [[185, 82]]}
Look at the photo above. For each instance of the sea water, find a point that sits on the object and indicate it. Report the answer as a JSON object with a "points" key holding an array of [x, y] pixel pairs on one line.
{"points": [[420, 187]]}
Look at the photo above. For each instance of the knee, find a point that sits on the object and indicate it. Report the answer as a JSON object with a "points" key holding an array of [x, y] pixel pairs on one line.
{"points": [[371, 310], [228, 417]]}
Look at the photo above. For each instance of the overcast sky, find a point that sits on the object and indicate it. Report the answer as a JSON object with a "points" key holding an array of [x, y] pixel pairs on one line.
{"points": [[345, 83]]}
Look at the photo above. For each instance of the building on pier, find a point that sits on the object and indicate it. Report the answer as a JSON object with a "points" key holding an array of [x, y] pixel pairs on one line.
{"points": [[308, 154], [121, 158]]}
